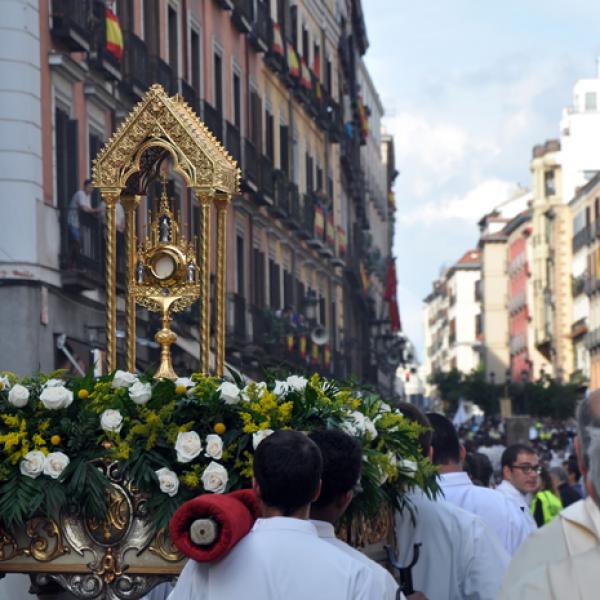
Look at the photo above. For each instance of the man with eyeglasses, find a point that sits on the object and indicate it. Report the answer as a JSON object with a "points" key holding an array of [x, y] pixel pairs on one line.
{"points": [[560, 560], [520, 477]]}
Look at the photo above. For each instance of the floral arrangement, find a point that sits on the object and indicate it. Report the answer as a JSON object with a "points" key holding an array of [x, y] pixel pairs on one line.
{"points": [[180, 439]]}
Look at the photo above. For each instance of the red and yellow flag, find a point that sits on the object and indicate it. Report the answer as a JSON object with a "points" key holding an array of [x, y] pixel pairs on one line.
{"points": [[319, 222], [327, 356], [364, 277], [277, 47], [305, 81], [330, 228], [302, 346], [114, 35], [289, 342], [315, 354], [362, 115], [341, 240], [293, 63]]}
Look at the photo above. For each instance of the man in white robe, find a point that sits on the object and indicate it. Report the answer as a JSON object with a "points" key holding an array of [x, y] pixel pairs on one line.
{"points": [[564, 554], [460, 556], [282, 556], [509, 523], [342, 464], [520, 477]]}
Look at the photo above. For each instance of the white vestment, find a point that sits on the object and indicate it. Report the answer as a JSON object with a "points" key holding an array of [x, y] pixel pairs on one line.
{"points": [[281, 558], [460, 556], [497, 511], [382, 578], [523, 501], [560, 548]]}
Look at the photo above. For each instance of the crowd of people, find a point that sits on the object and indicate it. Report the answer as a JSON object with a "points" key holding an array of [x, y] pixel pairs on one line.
{"points": [[511, 522]]}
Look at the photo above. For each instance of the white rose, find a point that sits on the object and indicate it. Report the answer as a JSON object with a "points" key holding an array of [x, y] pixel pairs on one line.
{"points": [[408, 467], [361, 425], [140, 392], [185, 382], [297, 383], [385, 407], [215, 478], [167, 480], [259, 436], [256, 389], [55, 464], [54, 398], [32, 464], [281, 388], [187, 446], [214, 446], [230, 393], [111, 420], [4, 383], [123, 379], [53, 383], [18, 396]]}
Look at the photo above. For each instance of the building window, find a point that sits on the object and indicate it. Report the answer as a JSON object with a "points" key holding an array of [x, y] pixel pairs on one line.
{"points": [[218, 74], [549, 186], [258, 260], [239, 265], [329, 77], [255, 119], [309, 173], [195, 61], [283, 149], [293, 26], [274, 285], [173, 24], [237, 101], [269, 135], [151, 28], [590, 101], [305, 45]]}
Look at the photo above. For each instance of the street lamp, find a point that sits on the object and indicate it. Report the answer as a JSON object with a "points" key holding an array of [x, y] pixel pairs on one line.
{"points": [[310, 307]]}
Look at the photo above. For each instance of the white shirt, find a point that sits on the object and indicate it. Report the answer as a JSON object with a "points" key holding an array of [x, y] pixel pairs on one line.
{"points": [[460, 556], [79, 201], [523, 501], [387, 586], [497, 511], [282, 558]]}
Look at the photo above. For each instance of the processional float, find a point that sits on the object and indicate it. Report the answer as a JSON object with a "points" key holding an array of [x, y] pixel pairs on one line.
{"points": [[123, 557]]}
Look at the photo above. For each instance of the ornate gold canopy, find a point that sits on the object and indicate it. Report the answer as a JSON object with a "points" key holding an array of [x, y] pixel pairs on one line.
{"points": [[161, 133]]}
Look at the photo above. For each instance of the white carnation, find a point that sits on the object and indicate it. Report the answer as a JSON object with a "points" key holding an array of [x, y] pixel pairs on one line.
{"points": [[297, 383], [281, 388], [214, 446], [53, 383], [259, 436], [111, 420], [359, 424], [140, 392], [55, 464], [187, 446], [57, 397], [18, 396], [32, 464], [215, 478], [167, 480], [123, 379], [229, 393]]}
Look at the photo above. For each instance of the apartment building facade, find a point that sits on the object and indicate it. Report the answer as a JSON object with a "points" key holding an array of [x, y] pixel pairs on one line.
{"points": [[276, 82]]}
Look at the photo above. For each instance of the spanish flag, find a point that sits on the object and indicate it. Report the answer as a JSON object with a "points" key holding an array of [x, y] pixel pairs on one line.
{"points": [[305, 81], [341, 240], [292, 59], [302, 347], [277, 47], [364, 277], [319, 222], [330, 231], [362, 115], [327, 356], [391, 201], [114, 35]]}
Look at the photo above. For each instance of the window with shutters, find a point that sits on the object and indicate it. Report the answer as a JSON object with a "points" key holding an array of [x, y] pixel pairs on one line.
{"points": [[195, 61], [255, 120], [329, 77], [309, 173], [269, 135], [259, 280], [305, 45], [283, 149], [322, 311], [293, 26], [288, 289], [173, 28], [240, 266], [274, 285], [218, 82], [237, 101], [151, 26]]}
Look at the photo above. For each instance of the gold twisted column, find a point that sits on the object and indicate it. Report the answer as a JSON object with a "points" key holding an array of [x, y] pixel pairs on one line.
{"points": [[204, 276], [111, 197], [222, 205], [130, 204]]}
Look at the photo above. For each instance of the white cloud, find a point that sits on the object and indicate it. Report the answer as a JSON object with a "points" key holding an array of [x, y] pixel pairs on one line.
{"points": [[469, 207]]}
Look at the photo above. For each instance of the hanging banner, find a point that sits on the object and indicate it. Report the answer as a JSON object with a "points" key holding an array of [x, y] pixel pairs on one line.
{"points": [[302, 346], [330, 229], [114, 35], [319, 222], [293, 63], [341, 241], [277, 47]]}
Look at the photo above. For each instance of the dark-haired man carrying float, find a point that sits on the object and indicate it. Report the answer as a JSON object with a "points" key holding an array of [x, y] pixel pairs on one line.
{"points": [[282, 557]]}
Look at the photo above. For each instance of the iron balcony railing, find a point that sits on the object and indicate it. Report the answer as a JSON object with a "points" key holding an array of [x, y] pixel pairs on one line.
{"points": [[160, 72], [71, 23], [135, 64]]}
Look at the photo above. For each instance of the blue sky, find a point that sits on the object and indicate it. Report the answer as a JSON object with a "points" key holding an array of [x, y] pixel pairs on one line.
{"points": [[469, 87]]}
